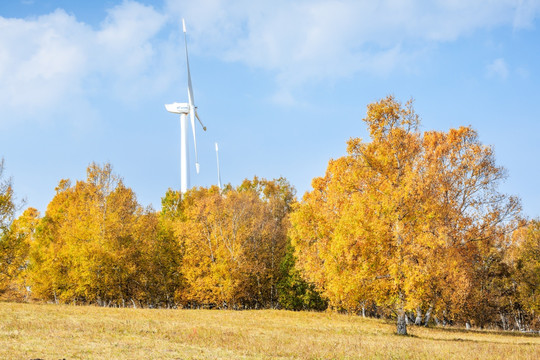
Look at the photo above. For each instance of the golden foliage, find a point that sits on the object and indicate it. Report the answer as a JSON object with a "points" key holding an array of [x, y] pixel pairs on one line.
{"points": [[96, 244], [233, 243], [397, 220]]}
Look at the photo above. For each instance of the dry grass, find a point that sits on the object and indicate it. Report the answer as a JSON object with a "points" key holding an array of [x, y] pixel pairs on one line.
{"points": [[29, 331]]}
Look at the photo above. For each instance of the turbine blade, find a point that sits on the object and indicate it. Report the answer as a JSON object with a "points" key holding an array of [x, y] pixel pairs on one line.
{"points": [[197, 116], [190, 88], [192, 118]]}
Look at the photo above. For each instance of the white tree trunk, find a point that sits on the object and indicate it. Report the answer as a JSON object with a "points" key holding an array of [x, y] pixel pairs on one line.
{"points": [[428, 315], [418, 320], [401, 322]]}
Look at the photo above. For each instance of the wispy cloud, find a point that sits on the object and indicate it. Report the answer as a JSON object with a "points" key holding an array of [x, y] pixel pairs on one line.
{"points": [[525, 13], [302, 41], [497, 69]]}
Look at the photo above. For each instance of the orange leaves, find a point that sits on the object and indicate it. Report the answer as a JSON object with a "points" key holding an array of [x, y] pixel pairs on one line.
{"points": [[387, 222], [87, 246]]}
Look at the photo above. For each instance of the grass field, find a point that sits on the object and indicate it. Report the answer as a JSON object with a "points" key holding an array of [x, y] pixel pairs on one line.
{"points": [[29, 331]]}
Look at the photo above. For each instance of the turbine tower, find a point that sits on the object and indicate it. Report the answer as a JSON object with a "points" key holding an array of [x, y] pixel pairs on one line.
{"points": [[218, 175], [184, 109]]}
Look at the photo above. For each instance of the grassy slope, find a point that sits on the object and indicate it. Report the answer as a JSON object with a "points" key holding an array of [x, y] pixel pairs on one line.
{"points": [[30, 331]]}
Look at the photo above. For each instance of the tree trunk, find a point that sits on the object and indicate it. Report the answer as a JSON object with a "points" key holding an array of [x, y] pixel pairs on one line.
{"points": [[517, 319], [418, 320], [401, 322], [428, 315], [503, 320]]}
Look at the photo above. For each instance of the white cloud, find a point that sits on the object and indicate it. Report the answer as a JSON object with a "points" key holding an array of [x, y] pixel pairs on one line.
{"points": [[497, 69], [39, 60], [126, 38], [51, 60], [525, 13], [51, 63], [328, 39]]}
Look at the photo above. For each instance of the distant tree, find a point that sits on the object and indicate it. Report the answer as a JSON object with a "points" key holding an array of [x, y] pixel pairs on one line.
{"points": [[395, 221], [158, 267], [96, 244], [294, 293], [16, 246], [524, 261], [15, 237], [7, 204], [233, 243], [171, 205]]}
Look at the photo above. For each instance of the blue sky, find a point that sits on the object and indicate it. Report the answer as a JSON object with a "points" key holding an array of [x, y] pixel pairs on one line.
{"points": [[281, 85]]}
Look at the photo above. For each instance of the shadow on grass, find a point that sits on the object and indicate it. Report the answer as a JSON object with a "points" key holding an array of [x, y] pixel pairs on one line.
{"points": [[407, 336], [473, 332], [475, 341], [482, 331]]}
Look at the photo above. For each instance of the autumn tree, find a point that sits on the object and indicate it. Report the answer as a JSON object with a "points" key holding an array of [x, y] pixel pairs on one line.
{"points": [[277, 197], [471, 219], [7, 204], [11, 247], [523, 259], [15, 249], [158, 265], [395, 220], [97, 244], [294, 293], [233, 243]]}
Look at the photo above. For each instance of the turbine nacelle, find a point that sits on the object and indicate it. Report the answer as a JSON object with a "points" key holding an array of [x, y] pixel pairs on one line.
{"points": [[183, 108], [178, 108]]}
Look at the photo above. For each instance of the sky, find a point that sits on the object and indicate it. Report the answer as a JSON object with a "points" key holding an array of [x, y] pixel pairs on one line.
{"points": [[281, 85]]}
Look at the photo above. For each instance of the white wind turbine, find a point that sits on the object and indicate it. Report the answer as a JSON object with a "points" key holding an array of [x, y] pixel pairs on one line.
{"points": [[218, 175], [184, 109]]}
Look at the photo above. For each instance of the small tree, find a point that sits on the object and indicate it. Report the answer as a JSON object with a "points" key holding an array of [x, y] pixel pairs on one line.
{"points": [[7, 204], [9, 244]]}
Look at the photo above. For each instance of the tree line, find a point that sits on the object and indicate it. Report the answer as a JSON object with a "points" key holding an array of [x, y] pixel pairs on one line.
{"points": [[409, 225]]}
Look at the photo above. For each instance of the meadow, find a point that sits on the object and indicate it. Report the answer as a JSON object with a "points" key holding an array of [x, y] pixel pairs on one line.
{"points": [[47, 331]]}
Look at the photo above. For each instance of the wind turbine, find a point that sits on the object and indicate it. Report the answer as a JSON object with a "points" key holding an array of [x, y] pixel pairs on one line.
{"points": [[218, 175], [184, 109]]}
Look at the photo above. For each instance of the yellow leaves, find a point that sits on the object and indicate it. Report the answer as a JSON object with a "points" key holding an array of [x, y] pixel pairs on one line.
{"points": [[88, 244], [389, 222], [234, 242], [388, 115], [7, 204], [524, 257]]}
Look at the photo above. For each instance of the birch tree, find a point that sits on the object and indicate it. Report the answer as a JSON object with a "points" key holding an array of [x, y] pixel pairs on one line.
{"points": [[394, 220]]}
